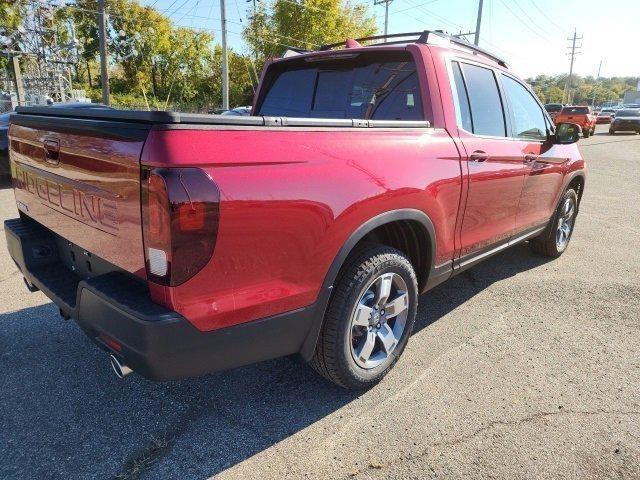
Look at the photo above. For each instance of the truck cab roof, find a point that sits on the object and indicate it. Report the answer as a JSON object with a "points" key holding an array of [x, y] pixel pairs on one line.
{"points": [[435, 38]]}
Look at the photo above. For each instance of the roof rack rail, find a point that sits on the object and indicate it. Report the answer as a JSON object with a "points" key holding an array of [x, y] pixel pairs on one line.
{"points": [[331, 46], [421, 37]]}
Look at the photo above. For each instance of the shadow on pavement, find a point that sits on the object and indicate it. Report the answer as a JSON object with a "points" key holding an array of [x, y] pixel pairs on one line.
{"points": [[64, 414], [5, 182]]}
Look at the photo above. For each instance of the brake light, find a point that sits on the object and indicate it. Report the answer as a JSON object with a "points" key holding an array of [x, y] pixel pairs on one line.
{"points": [[180, 208]]}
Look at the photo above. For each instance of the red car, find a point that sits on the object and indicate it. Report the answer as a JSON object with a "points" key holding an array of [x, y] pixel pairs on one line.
{"points": [[605, 116], [579, 115], [184, 244]]}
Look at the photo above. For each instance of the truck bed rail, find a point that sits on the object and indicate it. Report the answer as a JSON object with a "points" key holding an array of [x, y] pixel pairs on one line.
{"points": [[171, 118]]}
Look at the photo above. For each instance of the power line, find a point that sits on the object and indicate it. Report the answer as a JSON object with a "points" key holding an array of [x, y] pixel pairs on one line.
{"points": [[533, 30], [393, 12], [549, 19], [535, 24], [189, 11]]}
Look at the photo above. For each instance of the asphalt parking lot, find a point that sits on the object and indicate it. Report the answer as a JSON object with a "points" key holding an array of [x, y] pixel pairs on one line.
{"points": [[519, 368]]}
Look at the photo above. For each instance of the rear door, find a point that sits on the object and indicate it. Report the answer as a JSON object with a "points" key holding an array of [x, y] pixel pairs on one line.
{"points": [[80, 178], [495, 163], [543, 171]]}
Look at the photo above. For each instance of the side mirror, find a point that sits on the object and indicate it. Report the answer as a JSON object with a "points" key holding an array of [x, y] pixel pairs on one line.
{"points": [[567, 133]]}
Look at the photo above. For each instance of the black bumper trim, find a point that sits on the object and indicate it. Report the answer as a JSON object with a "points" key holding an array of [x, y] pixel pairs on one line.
{"points": [[156, 342]]}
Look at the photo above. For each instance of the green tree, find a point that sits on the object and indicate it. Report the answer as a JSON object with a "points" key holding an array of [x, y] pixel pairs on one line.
{"points": [[305, 24], [11, 17], [551, 88]]}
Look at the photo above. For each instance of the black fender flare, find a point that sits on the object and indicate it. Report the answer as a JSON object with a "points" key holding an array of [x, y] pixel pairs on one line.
{"points": [[320, 306], [571, 177]]}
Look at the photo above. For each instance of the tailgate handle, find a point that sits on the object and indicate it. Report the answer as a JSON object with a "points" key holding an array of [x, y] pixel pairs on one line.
{"points": [[52, 150]]}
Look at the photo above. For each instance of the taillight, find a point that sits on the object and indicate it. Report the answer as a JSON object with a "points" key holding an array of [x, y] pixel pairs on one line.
{"points": [[180, 208]]}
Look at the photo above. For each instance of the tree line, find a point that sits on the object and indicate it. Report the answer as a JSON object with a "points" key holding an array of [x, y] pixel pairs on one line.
{"points": [[550, 89]]}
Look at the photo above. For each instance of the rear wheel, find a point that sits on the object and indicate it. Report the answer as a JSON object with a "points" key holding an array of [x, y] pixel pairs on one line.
{"points": [[611, 132], [585, 133], [369, 319], [555, 238]]}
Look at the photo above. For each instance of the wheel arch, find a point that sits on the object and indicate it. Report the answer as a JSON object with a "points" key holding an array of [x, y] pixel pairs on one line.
{"points": [[577, 181], [369, 230]]}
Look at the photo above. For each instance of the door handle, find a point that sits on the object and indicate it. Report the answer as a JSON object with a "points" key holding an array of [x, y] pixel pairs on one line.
{"points": [[530, 158], [478, 156]]}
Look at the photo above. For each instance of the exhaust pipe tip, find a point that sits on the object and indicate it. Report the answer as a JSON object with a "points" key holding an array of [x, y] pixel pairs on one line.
{"points": [[120, 369]]}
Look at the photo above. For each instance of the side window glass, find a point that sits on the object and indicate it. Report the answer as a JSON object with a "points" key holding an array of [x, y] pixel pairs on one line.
{"points": [[463, 111], [528, 119], [484, 99]]}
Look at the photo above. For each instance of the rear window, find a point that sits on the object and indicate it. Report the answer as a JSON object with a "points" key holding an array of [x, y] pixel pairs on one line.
{"points": [[575, 110], [553, 107], [632, 112], [377, 86]]}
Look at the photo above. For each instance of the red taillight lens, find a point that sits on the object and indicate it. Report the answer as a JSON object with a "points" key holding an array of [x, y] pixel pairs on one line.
{"points": [[180, 208], [191, 216]]}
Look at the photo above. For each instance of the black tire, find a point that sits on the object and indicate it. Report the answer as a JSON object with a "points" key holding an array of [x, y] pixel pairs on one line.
{"points": [[585, 134], [547, 243], [611, 132], [333, 358]]}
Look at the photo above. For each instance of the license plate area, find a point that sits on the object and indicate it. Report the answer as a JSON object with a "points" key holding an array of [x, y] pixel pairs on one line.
{"points": [[82, 262]]}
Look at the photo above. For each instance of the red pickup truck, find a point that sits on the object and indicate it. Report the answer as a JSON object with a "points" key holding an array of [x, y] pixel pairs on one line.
{"points": [[184, 244], [579, 115]]}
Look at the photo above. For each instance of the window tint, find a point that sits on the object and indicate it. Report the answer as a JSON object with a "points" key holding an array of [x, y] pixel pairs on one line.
{"points": [[630, 112], [553, 107], [484, 99], [286, 98], [463, 111], [368, 86], [575, 110], [527, 117]]}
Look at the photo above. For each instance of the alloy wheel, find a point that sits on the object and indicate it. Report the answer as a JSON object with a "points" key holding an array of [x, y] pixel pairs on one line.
{"points": [[565, 223], [379, 320]]}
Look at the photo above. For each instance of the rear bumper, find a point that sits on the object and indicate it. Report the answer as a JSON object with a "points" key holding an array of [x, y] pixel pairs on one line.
{"points": [[625, 127], [115, 310]]}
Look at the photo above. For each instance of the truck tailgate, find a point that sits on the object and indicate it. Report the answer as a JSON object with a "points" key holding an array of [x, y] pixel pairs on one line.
{"points": [[80, 178]]}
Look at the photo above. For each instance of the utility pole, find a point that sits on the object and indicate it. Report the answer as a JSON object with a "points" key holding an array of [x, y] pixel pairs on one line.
{"points": [[102, 37], [478, 22], [593, 100], [386, 14], [17, 79], [225, 60], [567, 85]]}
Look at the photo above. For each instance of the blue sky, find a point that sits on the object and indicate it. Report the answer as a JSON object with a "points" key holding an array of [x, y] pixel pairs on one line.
{"points": [[530, 34]]}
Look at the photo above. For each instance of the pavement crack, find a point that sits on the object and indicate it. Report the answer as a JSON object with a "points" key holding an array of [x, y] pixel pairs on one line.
{"points": [[512, 423], [142, 461], [536, 416]]}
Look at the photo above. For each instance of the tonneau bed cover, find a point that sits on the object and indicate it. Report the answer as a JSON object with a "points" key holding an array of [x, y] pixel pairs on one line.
{"points": [[168, 118]]}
